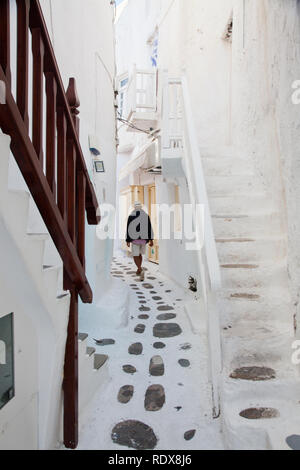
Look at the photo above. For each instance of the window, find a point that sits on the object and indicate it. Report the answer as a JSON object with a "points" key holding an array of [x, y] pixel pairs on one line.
{"points": [[153, 43], [7, 385], [123, 83]]}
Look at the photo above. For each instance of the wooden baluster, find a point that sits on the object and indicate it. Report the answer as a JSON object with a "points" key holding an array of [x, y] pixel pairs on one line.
{"points": [[5, 39], [71, 377], [22, 58], [81, 194], [74, 102], [71, 184], [37, 100], [62, 162], [51, 92]]}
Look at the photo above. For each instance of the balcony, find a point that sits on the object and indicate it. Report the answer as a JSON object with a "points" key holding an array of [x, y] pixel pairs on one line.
{"points": [[142, 101]]}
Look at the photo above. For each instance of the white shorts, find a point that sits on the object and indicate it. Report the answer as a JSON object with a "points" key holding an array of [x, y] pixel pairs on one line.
{"points": [[138, 250]]}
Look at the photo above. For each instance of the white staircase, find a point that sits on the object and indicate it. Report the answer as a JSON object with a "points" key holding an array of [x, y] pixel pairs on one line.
{"points": [[257, 317], [31, 264]]}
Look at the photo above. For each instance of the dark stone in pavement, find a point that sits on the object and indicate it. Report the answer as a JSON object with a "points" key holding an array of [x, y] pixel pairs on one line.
{"points": [[166, 316], [140, 329], [186, 347], [293, 442], [189, 435], [159, 345], [259, 413], [155, 398], [165, 308], [129, 369], [136, 349], [135, 435], [156, 367], [157, 298], [184, 363], [144, 317], [144, 309], [166, 330], [254, 373], [104, 342], [148, 286], [125, 394]]}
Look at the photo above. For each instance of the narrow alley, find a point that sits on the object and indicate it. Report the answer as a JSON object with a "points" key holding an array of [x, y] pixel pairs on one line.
{"points": [[149, 225], [157, 373]]}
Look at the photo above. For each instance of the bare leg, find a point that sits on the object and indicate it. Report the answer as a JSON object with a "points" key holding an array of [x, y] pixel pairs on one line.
{"points": [[138, 261]]}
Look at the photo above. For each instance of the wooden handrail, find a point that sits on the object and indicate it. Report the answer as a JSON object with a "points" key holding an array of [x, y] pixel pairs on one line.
{"points": [[64, 194]]}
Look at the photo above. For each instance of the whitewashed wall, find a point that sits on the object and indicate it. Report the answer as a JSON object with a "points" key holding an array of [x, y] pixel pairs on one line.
{"points": [[266, 63]]}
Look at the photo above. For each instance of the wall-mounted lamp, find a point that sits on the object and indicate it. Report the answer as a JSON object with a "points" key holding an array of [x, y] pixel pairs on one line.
{"points": [[94, 145]]}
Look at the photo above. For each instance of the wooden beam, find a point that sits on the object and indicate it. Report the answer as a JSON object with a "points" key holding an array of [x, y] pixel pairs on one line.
{"points": [[70, 384]]}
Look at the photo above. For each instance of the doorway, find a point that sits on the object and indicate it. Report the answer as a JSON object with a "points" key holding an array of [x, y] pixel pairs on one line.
{"points": [[153, 254]]}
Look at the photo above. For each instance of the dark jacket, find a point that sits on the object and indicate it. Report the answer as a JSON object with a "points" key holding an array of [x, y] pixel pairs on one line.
{"points": [[139, 227]]}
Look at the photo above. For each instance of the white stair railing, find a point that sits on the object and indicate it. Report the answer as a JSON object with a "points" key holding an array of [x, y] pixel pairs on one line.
{"points": [[179, 140]]}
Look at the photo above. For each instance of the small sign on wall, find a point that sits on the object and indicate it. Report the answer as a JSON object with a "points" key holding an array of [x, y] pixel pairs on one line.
{"points": [[7, 381], [99, 166]]}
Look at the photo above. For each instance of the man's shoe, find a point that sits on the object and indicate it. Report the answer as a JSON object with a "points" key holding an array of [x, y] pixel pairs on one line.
{"points": [[142, 275]]}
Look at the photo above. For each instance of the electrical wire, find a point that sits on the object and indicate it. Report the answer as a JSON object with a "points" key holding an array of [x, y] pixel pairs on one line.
{"points": [[125, 121]]}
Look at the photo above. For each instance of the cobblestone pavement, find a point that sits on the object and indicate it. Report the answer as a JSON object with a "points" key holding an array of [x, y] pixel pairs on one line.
{"points": [[157, 395]]}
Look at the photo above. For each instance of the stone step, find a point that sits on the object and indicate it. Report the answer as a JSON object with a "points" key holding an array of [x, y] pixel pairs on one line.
{"points": [[90, 351], [4, 163], [243, 205], [262, 347], [221, 152], [220, 186], [247, 227], [82, 336], [270, 304], [99, 361], [51, 276], [228, 166], [243, 250], [254, 275]]}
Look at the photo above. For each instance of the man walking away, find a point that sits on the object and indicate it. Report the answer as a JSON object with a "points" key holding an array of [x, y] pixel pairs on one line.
{"points": [[139, 234]]}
